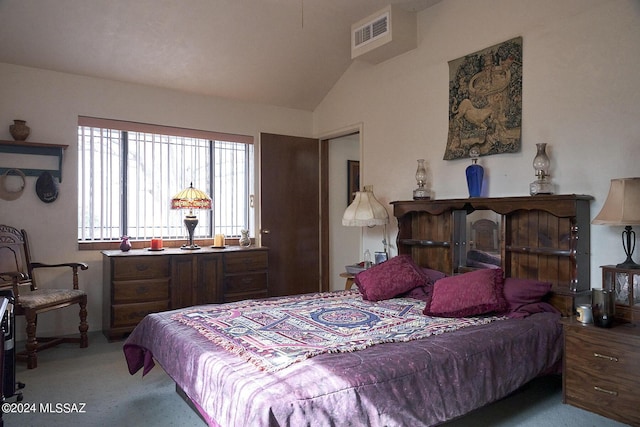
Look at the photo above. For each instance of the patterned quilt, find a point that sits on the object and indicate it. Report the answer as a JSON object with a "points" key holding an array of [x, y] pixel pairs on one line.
{"points": [[275, 333]]}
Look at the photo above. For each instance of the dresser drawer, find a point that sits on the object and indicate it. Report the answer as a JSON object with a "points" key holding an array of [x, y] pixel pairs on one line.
{"points": [[140, 290], [132, 314], [245, 296], [245, 283], [246, 261], [140, 267]]}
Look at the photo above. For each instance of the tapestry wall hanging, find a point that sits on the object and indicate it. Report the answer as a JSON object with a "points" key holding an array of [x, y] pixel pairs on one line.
{"points": [[485, 101]]}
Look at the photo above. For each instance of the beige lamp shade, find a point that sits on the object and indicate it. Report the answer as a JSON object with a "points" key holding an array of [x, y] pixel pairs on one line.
{"points": [[191, 198], [365, 210], [622, 206]]}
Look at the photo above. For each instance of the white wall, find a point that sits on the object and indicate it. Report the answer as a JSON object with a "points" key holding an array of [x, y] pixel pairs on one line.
{"points": [[51, 103], [580, 95]]}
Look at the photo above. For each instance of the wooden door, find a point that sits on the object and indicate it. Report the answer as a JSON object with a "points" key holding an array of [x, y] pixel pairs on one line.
{"points": [[290, 216]]}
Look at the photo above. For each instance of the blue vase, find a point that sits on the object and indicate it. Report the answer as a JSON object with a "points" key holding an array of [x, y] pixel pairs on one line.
{"points": [[475, 174]]}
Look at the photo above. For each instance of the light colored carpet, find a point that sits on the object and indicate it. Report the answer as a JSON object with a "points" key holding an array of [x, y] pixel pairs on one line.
{"points": [[97, 376]]}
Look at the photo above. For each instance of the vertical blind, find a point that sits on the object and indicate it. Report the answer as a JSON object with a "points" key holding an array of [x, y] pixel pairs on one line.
{"points": [[128, 173]]}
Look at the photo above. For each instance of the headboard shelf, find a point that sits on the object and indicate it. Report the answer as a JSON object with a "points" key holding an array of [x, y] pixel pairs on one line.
{"points": [[540, 251], [542, 237], [416, 242]]}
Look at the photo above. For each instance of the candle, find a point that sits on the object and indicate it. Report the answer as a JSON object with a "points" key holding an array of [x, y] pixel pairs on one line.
{"points": [[156, 244], [218, 240]]}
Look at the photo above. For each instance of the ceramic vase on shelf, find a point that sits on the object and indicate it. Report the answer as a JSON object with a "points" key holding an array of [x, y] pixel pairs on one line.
{"points": [[475, 174], [245, 240], [125, 245], [19, 130]]}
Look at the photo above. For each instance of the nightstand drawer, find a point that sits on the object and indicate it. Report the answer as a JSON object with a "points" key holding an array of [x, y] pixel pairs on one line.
{"points": [[603, 395], [243, 262], [140, 267], [608, 356], [140, 290], [132, 314]]}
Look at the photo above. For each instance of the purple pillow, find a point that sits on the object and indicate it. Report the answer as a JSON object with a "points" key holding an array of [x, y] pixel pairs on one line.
{"points": [[469, 294], [423, 292], [389, 279], [520, 292], [433, 275], [529, 309]]}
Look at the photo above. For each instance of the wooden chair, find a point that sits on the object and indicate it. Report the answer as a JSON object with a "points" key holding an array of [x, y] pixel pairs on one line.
{"points": [[16, 273], [484, 234]]}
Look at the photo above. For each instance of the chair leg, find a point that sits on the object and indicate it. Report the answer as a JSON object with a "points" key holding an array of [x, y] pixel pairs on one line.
{"points": [[32, 342], [84, 326]]}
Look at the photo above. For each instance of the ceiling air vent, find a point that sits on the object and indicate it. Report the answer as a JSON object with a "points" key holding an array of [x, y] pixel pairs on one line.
{"points": [[383, 35], [371, 30]]}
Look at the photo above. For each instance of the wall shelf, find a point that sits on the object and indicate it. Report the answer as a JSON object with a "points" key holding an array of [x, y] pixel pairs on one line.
{"points": [[34, 148]]}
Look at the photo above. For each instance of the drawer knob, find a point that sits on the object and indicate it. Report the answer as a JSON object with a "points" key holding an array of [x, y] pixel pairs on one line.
{"points": [[603, 356], [603, 390]]}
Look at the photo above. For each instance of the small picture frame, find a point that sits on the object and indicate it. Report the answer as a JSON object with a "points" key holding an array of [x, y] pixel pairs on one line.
{"points": [[380, 257], [353, 179]]}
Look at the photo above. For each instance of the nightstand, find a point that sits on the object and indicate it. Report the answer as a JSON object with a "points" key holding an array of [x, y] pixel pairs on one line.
{"points": [[350, 280], [626, 284], [601, 371]]}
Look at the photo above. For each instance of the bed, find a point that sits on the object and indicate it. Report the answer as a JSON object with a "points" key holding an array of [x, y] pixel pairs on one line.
{"points": [[485, 336]]}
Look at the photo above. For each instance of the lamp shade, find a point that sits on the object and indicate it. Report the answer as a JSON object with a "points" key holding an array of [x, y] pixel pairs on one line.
{"points": [[622, 206], [191, 198], [365, 211]]}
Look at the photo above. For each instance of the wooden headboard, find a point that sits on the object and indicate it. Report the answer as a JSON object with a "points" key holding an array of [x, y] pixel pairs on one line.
{"points": [[543, 237]]}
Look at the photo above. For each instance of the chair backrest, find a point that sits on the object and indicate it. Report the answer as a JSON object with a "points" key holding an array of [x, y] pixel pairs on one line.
{"points": [[14, 255], [484, 233]]}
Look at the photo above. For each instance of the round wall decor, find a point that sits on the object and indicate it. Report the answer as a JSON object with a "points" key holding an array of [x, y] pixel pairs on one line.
{"points": [[12, 184]]}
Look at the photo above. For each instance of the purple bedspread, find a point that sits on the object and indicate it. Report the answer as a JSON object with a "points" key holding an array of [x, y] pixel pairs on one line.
{"points": [[419, 383]]}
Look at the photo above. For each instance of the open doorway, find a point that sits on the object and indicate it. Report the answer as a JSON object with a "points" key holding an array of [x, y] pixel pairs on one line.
{"points": [[341, 245]]}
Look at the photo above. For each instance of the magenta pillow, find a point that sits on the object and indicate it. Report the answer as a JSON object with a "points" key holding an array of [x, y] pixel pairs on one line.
{"points": [[520, 292], [389, 279], [469, 294]]}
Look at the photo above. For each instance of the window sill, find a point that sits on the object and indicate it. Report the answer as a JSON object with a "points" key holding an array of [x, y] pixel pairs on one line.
{"points": [[141, 244]]}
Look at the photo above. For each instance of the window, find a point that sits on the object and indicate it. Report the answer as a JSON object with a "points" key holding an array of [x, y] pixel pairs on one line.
{"points": [[128, 172]]}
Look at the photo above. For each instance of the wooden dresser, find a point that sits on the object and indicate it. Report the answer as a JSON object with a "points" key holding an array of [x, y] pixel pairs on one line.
{"points": [[140, 281], [602, 369]]}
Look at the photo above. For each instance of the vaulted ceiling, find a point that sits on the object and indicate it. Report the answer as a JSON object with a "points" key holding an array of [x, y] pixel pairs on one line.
{"points": [[286, 53]]}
